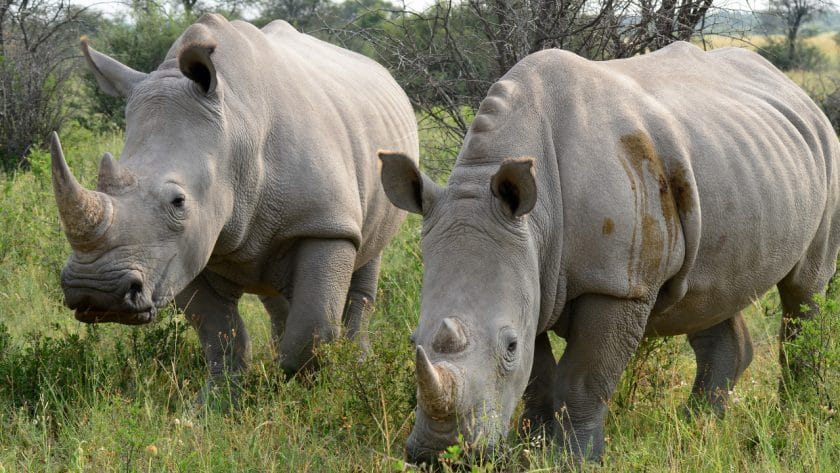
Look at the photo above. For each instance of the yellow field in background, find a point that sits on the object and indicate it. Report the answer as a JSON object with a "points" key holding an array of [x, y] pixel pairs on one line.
{"points": [[824, 41], [818, 83]]}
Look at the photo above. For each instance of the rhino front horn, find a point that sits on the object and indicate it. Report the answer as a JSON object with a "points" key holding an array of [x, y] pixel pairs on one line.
{"points": [[85, 214], [435, 385]]}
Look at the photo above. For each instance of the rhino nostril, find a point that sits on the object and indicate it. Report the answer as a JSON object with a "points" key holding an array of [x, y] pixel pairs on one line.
{"points": [[135, 291]]}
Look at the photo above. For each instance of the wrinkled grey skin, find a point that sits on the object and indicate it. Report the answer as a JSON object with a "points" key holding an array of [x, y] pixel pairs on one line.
{"points": [[249, 166], [607, 202]]}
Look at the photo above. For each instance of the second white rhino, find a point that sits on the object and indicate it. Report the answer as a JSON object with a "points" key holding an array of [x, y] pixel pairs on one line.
{"points": [[607, 202]]}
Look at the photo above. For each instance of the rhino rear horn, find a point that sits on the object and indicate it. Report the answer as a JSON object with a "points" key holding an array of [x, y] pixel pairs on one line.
{"points": [[435, 385], [450, 337], [112, 177], [85, 214]]}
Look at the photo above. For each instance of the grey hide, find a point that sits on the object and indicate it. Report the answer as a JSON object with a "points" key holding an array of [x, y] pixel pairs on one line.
{"points": [[606, 202], [249, 166]]}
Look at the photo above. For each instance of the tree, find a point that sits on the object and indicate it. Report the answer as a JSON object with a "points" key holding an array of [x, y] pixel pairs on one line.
{"points": [[305, 15], [447, 56], [793, 13], [38, 39]]}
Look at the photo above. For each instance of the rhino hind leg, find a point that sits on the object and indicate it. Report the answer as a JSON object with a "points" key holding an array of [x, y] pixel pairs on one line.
{"points": [[210, 305], [360, 300], [538, 416], [723, 352], [278, 311]]}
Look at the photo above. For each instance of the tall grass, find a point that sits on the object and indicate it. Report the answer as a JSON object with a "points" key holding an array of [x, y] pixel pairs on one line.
{"points": [[116, 398]]}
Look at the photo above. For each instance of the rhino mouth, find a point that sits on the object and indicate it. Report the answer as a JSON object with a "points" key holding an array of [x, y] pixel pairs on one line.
{"points": [[93, 316]]}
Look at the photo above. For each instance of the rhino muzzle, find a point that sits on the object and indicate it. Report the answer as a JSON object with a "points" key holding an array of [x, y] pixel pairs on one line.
{"points": [[127, 300], [431, 437]]}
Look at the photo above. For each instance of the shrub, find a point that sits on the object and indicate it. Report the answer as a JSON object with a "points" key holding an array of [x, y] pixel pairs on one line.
{"points": [[806, 56], [35, 74]]}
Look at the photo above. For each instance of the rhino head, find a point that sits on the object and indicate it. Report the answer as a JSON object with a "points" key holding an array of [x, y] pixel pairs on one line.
{"points": [[152, 223], [479, 306]]}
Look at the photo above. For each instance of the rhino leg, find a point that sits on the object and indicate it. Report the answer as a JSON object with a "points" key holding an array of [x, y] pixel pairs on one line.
{"points": [[798, 305], [278, 309], [210, 305], [360, 299], [604, 333], [320, 281], [723, 352], [538, 416]]}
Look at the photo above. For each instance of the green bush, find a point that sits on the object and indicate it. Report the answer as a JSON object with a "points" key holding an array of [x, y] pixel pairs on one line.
{"points": [[806, 57]]}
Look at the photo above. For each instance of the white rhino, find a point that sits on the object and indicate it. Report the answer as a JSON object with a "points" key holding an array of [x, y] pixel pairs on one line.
{"points": [[249, 166], [607, 202]]}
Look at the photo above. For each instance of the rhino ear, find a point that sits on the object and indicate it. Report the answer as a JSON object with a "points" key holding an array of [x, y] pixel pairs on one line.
{"points": [[114, 78], [405, 185], [194, 57], [515, 186]]}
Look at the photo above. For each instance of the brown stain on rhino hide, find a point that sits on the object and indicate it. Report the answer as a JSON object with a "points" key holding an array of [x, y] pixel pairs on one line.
{"points": [[648, 178], [608, 226], [681, 190]]}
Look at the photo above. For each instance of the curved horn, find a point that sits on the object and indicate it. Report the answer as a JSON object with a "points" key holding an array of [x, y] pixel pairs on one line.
{"points": [[85, 214], [435, 385]]}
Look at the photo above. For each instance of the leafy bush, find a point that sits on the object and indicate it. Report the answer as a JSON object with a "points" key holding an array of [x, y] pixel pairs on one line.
{"points": [[817, 352], [59, 367], [831, 106], [35, 74], [806, 56]]}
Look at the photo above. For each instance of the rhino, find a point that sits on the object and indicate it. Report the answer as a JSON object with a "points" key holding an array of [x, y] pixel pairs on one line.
{"points": [[249, 166], [607, 202]]}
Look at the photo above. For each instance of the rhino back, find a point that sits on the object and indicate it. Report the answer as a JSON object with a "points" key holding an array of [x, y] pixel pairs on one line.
{"points": [[314, 116], [702, 178]]}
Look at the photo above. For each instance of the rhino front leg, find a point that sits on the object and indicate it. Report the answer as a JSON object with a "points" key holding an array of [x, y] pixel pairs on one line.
{"points": [[723, 352], [360, 299], [604, 333], [322, 273], [210, 305], [538, 416]]}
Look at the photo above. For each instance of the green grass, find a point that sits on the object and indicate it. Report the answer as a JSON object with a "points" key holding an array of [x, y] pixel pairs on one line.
{"points": [[116, 398]]}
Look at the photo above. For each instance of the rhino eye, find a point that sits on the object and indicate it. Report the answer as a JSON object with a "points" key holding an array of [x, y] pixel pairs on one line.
{"points": [[511, 346], [178, 202]]}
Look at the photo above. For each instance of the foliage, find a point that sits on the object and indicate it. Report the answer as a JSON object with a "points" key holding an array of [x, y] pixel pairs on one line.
{"points": [[806, 57], [817, 349], [831, 106], [305, 15], [793, 14], [447, 56], [35, 73]]}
